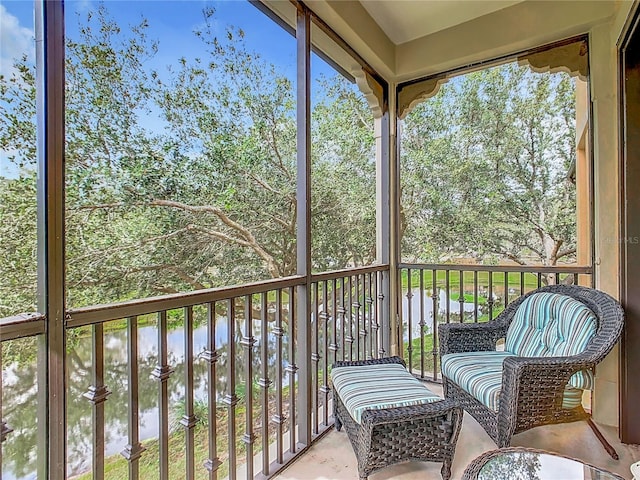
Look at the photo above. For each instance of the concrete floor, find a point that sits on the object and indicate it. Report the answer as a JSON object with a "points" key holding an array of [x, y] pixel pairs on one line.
{"points": [[332, 458]]}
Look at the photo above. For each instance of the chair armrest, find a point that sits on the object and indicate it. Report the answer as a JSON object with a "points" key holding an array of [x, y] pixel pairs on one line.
{"points": [[470, 337], [373, 361], [537, 383], [557, 369]]}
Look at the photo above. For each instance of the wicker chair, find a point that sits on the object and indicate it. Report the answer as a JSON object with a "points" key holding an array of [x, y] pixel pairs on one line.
{"points": [[386, 436], [531, 389]]}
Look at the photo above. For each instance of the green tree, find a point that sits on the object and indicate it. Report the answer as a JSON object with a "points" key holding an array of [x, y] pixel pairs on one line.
{"points": [[203, 195], [485, 169], [343, 177], [18, 232]]}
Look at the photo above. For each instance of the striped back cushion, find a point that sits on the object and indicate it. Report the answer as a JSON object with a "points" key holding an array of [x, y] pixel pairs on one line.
{"points": [[552, 325], [380, 386]]}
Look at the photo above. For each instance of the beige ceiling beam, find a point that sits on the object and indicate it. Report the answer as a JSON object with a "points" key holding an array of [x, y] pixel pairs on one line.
{"points": [[516, 28]]}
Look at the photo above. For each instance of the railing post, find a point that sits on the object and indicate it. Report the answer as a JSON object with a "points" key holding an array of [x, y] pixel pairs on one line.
{"points": [[303, 200], [189, 420], [134, 449], [247, 342], [161, 374], [265, 382], [211, 356], [231, 399], [291, 370], [50, 104], [382, 336], [278, 418], [97, 395], [409, 324], [383, 229], [324, 388]]}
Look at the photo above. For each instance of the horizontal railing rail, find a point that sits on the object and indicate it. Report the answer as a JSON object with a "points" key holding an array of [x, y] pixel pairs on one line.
{"points": [[347, 272], [79, 317], [563, 269], [22, 325], [431, 294]]}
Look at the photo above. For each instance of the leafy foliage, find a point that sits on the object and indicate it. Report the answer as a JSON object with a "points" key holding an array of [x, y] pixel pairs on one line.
{"points": [[19, 250], [186, 178], [485, 169]]}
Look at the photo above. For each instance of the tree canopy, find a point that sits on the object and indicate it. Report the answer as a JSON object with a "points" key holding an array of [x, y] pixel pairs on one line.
{"points": [[485, 169], [184, 178], [201, 196]]}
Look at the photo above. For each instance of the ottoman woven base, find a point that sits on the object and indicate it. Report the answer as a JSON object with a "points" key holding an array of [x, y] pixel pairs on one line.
{"points": [[386, 436]]}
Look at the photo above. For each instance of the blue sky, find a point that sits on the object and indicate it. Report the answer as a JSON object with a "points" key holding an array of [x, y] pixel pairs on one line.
{"points": [[170, 22]]}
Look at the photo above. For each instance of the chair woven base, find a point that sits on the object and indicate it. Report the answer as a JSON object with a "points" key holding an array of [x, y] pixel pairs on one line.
{"points": [[388, 436], [489, 419]]}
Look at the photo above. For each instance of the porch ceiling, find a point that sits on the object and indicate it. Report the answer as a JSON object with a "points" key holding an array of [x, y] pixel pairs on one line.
{"points": [[406, 20], [408, 39]]}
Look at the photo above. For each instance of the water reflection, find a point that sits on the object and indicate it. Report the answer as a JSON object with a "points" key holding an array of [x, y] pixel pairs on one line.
{"points": [[516, 466], [20, 387], [19, 400], [424, 301]]}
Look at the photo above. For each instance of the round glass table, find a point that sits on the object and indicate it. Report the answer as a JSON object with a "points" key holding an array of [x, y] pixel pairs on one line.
{"points": [[520, 463]]}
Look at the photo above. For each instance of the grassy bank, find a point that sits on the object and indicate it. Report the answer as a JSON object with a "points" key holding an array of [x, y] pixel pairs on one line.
{"points": [[117, 467], [513, 279]]}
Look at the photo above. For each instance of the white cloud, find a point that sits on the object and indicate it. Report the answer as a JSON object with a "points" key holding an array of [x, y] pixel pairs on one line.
{"points": [[15, 41]]}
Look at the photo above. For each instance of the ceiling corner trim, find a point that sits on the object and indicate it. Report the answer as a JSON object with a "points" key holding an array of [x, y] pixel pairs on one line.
{"points": [[373, 92], [572, 59], [411, 95]]}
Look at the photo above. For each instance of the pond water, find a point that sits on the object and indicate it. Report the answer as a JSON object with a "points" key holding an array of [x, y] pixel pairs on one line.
{"points": [[19, 453], [468, 309]]}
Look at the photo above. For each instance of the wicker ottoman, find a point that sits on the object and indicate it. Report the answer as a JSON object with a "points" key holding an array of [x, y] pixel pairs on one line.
{"points": [[391, 417]]}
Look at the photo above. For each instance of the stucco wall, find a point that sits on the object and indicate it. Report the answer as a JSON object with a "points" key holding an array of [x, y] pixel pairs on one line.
{"points": [[604, 95], [607, 205], [583, 177]]}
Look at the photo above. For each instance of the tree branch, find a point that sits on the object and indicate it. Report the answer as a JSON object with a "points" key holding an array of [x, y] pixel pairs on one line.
{"points": [[265, 185], [179, 272], [219, 235], [121, 248], [246, 237], [568, 251]]}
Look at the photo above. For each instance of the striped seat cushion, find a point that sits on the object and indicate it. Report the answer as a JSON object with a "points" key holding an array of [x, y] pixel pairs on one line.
{"points": [[553, 325], [480, 375], [477, 373], [370, 387]]}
